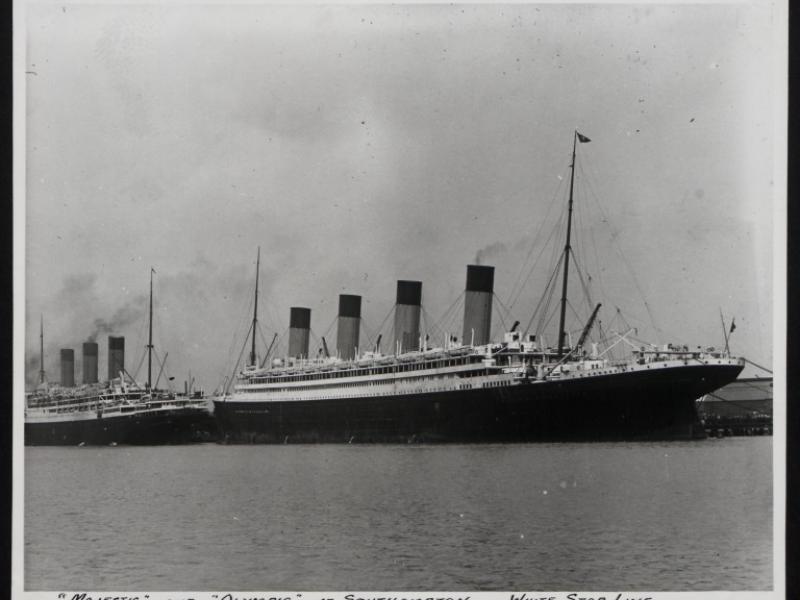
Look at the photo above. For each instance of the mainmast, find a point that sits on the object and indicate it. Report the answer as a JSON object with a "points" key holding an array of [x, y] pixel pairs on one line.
{"points": [[255, 313], [41, 349], [150, 338], [567, 250]]}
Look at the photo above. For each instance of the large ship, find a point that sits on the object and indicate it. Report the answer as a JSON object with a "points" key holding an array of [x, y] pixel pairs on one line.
{"points": [[473, 390], [118, 411]]}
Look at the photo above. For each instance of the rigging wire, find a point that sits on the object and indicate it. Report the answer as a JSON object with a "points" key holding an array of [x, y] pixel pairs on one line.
{"points": [[330, 326], [423, 323], [447, 318], [515, 292], [270, 349], [499, 313], [757, 365], [598, 267], [139, 366], [582, 266], [160, 368], [551, 239], [547, 315], [371, 336], [248, 318], [318, 342], [244, 313], [623, 319], [430, 327], [315, 342], [618, 247], [140, 337], [499, 306], [601, 335], [325, 335], [544, 298], [263, 339], [578, 318], [272, 311], [373, 340], [236, 366], [584, 286], [245, 319]]}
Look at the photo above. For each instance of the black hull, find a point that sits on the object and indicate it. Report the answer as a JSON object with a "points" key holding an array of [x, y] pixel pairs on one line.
{"points": [[649, 405], [182, 426]]}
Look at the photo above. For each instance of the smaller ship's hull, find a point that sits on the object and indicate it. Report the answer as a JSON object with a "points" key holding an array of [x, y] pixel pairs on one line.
{"points": [[179, 426], [645, 405]]}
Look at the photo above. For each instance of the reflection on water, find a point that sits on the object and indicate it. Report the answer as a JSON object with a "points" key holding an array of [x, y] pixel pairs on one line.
{"points": [[695, 515]]}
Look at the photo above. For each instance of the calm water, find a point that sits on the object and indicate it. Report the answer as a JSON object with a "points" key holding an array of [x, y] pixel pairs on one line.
{"points": [[563, 516]]}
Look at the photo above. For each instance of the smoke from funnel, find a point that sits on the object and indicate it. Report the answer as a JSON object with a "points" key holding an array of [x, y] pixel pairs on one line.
{"points": [[489, 252], [122, 317]]}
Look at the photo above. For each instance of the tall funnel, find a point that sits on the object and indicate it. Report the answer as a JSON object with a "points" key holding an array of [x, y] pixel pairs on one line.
{"points": [[116, 356], [299, 326], [68, 367], [347, 328], [406, 315], [478, 305], [89, 362]]}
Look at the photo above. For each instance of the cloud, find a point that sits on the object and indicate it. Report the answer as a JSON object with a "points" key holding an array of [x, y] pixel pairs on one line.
{"points": [[359, 144], [76, 288]]}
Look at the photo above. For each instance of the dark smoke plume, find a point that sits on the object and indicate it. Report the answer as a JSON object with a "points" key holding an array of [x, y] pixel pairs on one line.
{"points": [[130, 313], [489, 251]]}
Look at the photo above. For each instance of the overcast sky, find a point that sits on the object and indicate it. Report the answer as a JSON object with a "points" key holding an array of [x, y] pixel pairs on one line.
{"points": [[358, 145]]}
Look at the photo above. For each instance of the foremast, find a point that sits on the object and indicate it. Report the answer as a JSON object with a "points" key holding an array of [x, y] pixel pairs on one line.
{"points": [[41, 349], [150, 335], [255, 314], [567, 250]]}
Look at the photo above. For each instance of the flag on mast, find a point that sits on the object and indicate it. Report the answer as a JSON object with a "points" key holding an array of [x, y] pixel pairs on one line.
{"points": [[733, 325], [582, 138]]}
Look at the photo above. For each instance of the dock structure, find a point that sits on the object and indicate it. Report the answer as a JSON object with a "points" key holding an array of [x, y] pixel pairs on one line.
{"points": [[743, 407]]}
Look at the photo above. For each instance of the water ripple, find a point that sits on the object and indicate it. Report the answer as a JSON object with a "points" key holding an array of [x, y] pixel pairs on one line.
{"points": [[551, 516]]}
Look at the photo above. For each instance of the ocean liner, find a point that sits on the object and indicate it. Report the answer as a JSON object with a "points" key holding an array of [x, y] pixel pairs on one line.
{"points": [[118, 411], [513, 390]]}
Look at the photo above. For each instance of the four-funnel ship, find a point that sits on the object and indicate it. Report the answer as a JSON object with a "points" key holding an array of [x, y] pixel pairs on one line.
{"points": [[475, 390], [117, 411], [509, 391]]}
